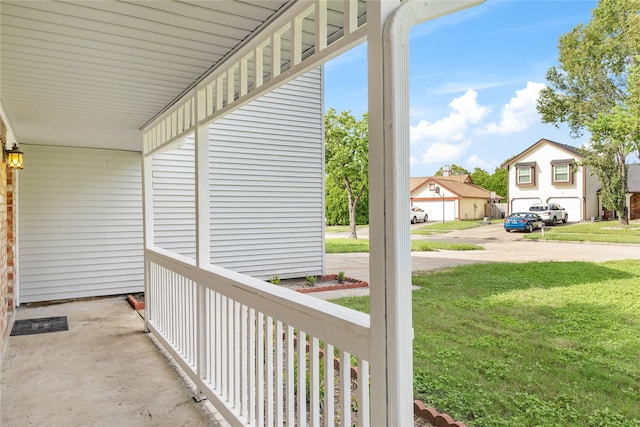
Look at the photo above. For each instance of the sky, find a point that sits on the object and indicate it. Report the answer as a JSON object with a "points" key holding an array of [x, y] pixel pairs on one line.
{"points": [[474, 80]]}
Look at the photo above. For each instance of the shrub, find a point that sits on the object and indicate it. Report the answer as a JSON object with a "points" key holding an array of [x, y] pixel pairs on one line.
{"points": [[310, 280]]}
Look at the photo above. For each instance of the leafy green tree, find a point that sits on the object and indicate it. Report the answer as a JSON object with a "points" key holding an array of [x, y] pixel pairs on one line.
{"points": [[455, 170], [595, 88], [347, 157], [337, 206], [496, 182]]}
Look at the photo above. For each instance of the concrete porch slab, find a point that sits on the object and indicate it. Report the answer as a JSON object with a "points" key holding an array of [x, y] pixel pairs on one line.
{"points": [[103, 371]]}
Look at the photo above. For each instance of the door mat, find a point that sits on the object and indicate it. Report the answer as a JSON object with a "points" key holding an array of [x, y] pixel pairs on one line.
{"points": [[42, 325]]}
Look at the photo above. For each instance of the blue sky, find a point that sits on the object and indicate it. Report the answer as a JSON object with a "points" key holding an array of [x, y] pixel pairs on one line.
{"points": [[474, 80]]}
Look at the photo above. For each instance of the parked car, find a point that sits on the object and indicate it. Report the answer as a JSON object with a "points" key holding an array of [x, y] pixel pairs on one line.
{"points": [[417, 214], [522, 221], [551, 213]]}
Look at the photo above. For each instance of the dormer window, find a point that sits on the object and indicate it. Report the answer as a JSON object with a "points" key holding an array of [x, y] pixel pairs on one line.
{"points": [[562, 171], [525, 174]]}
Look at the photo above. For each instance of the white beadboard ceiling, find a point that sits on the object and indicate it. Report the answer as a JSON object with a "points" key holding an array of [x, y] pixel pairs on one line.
{"points": [[92, 73]]}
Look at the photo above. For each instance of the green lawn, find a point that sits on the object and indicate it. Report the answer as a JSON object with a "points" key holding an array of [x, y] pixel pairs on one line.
{"points": [[340, 246], [536, 344], [606, 232]]}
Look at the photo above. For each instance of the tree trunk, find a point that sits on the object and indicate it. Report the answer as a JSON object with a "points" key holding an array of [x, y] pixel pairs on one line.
{"points": [[352, 210], [623, 217]]}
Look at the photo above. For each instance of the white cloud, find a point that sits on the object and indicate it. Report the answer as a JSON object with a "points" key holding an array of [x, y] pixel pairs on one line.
{"points": [[444, 153], [520, 113], [476, 162], [465, 111]]}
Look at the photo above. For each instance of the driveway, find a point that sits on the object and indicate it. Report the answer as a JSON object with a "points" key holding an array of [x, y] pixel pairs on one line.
{"points": [[499, 246]]}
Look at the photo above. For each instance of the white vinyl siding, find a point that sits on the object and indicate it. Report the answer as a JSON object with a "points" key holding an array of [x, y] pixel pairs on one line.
{"points": [[174, 199], [267, 171], [79, 223]]}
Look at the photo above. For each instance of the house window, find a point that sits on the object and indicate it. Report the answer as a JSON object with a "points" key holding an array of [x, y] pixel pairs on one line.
{"points": [[526, 174], [432, 186], [561, 173]]}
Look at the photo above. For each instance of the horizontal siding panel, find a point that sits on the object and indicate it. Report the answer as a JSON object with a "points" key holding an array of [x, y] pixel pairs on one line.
{"points": [[66, 293], [266, 167], [266, 170], [80, 228]]}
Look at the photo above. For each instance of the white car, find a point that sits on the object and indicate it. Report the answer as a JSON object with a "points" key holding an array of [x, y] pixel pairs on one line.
{"points": [[551, 213], [416, 214]]}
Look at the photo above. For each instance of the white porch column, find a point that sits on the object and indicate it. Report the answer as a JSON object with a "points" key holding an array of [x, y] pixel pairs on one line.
{"points": [[388, 25], [203, 226]]}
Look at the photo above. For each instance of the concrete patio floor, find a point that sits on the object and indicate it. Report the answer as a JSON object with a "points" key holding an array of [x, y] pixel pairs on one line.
{"points": [[103, 371]]}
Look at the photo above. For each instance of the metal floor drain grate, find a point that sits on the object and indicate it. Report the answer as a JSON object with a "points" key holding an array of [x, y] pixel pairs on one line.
{"points": [[39, 326]]}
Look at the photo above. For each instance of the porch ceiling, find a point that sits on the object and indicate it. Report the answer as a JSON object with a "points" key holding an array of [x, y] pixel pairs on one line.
{"points": [[92, 73]]}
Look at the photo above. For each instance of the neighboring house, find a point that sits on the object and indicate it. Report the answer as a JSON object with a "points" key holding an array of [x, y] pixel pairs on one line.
{"points": [[451, 197], [549, 172]]}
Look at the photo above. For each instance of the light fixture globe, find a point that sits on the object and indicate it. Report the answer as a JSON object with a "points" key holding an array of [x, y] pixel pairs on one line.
{"points": [[14, 158]]}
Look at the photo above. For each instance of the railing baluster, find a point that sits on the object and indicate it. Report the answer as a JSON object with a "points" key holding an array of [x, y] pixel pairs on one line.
{"points": [[279, 372], [252, 386], [314, 381], [345, 388], [363, 393], [269, 370], [244, 359], [260, 363], [236, 355], [329, 389], [290, 376], [302, 376]]}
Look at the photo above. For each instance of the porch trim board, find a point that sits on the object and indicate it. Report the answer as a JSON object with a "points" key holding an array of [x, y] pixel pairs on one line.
{"points": [[298, 40]]}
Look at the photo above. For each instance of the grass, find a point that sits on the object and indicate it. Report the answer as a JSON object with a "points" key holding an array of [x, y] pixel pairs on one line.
{"points": [[344, 228], [445, 227], [536, 344], [606, 232], [341, 246]]}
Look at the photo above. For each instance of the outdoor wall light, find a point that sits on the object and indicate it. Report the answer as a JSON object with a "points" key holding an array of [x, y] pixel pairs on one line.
{"points": [[14, 158]]}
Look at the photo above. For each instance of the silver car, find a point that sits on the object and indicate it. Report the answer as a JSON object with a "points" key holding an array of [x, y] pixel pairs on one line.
{"points": [[551, 213], [416, 214]]}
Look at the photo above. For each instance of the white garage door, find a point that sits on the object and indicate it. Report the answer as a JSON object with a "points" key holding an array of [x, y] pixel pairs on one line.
{"points": [[572, 205], [79, 224], [434, 209]]}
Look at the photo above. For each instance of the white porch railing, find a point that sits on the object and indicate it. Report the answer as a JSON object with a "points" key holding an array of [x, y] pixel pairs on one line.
{"points": [[262, 354]]}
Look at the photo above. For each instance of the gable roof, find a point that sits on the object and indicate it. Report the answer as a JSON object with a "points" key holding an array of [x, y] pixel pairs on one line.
{"points": [[570, 149], [461, 185]]}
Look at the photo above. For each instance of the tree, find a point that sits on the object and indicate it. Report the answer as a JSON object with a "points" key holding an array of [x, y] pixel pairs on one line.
{"points": [[496, 182], [347, 157], [454, 169], [337, 206], [596, 88]]}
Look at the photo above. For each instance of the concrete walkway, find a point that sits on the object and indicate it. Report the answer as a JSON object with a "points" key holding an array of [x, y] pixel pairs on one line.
{"points": [[103, 371]]}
